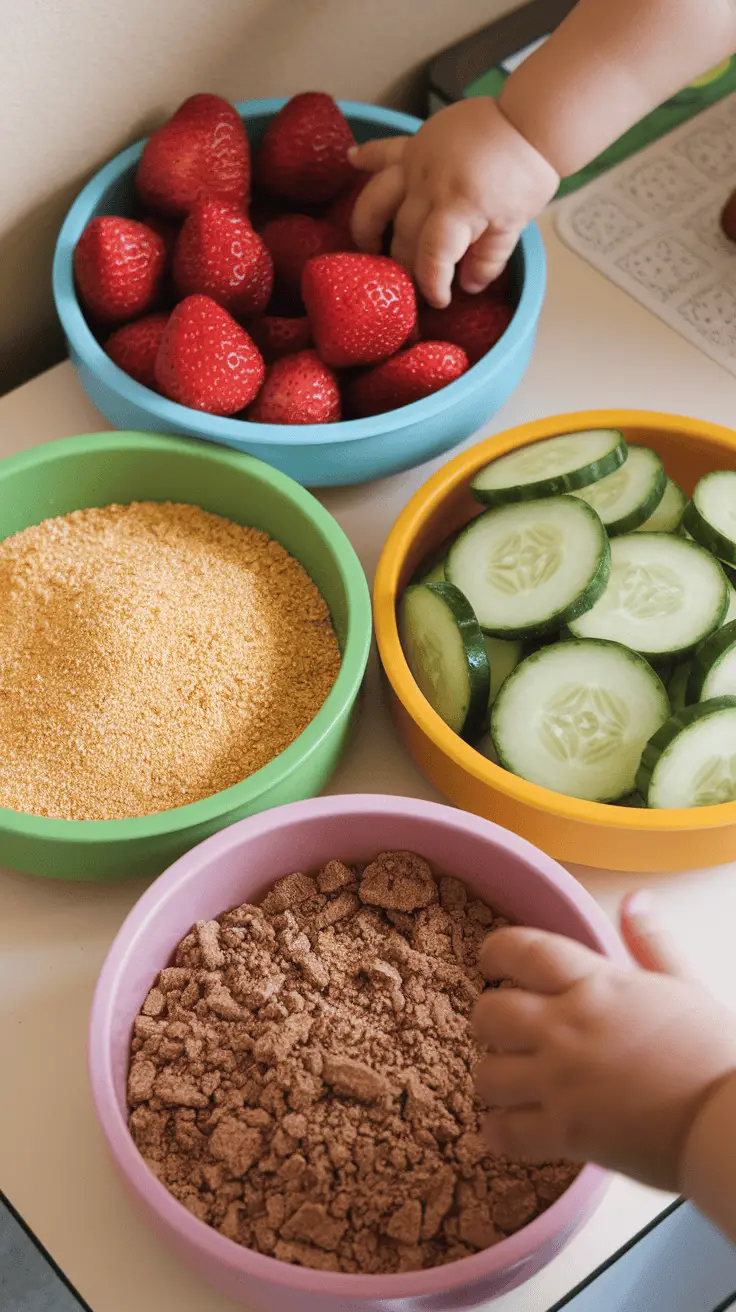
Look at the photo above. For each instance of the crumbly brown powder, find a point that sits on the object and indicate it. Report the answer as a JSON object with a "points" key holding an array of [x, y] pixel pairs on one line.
{"points": [[151, 655], [301, 1075]]}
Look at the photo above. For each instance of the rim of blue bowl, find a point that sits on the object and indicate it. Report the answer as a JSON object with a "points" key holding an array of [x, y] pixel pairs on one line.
{"points": [[342, 695], [231, 430]]}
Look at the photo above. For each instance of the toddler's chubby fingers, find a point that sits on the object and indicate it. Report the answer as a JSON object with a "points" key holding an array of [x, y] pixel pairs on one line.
{"points": [[536, 960], [509, 1020], [486, 259], [408, 224], [507, 1081], [376, 206], [523, 1135], [374, 156], [443, 241], [646, 942]]}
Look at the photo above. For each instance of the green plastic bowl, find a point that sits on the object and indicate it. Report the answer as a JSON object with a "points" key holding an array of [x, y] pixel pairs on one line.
{"points": [[103, 468]]}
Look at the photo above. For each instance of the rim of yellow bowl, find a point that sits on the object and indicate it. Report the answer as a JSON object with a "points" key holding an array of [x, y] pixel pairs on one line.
{"points": [[414, 516]]}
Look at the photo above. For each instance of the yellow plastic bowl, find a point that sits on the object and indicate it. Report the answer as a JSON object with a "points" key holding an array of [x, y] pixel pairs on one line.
{"points": [[608, 837]]}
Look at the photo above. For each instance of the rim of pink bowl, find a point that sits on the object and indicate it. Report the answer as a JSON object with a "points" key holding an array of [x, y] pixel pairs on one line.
{"points": [[505, 1255]]}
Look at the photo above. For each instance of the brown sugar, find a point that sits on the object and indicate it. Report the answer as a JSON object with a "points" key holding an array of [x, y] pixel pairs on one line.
{"points": [[151, 655], [301, 1075]]}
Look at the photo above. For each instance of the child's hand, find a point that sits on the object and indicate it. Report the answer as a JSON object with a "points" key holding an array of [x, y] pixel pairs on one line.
{"points": [[459, 192], [594, 1062]]}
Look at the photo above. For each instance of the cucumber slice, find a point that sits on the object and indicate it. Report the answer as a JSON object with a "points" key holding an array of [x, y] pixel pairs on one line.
{"points": [[731, 612], [677, 686], [503, 657], [486, 748], [547, 468], [434, 575], [714, 667], [711, 515], [691, 760], [628, 498], [668, 515], [665, 595], [445, 652], [575, 718], [432, 568], [529, 568]]}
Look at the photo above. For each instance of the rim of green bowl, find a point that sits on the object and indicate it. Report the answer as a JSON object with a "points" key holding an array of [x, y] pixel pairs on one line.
{"points": [[345, 689]]}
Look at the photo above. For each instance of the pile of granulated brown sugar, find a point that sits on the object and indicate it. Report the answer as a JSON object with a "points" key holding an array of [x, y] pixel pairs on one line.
{"points": [[301, 1075], [151, 655]]}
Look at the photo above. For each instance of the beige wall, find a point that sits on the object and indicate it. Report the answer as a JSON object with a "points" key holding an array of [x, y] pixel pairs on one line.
{"points": [[81, 78]]}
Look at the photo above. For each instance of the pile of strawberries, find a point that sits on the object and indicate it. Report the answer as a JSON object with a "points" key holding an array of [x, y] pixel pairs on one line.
{"points": [[254, 301]]}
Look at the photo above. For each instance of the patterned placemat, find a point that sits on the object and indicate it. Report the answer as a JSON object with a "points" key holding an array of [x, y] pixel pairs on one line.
{"points": [[651, 225]]}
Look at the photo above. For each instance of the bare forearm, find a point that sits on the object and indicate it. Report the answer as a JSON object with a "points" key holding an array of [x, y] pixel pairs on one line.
{"points": [[607, 65], [709, 1168]]}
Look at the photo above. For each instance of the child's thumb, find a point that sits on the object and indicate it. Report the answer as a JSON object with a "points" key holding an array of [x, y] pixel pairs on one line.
{"points": [[646, 942]]}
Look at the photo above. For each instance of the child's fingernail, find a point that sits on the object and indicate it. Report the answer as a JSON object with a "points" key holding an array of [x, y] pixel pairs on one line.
{"points": [[639, 905], [353, 153]]}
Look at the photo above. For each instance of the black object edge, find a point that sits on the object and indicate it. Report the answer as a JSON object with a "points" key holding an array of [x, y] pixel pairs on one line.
{"points": [[454, 70], [45, 1254], [621, 1252]]}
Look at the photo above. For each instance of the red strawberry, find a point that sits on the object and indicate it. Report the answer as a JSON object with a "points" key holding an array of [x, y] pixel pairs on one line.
{"points": [[304, 154], [295, 238], [501, 286], [361, 308], [134, 347], [119, 266], [299, 389], [407, 377], [202, 151], [218, 254], [277, 335], [341, 210], [473, 322], [206, 360]]}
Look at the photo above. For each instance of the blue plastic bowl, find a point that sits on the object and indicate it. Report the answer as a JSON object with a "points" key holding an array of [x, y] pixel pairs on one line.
{"points": [[317, 455]]}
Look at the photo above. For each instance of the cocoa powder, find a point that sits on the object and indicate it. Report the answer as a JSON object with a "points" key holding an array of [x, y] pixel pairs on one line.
{"points": [[301, 1075]]}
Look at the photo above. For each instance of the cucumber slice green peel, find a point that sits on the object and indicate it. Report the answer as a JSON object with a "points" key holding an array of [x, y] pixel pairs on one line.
{"points": [[691, 759], [445, 651], [575, 718], [710, 517], [550, 467], [503, 658], [629, 497], [665, 595], [531, 567], [713, 672], [678, 685], [668, 515]]}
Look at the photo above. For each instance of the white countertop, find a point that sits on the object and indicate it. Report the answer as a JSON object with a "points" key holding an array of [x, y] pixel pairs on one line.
{"points": [[596, 348]]}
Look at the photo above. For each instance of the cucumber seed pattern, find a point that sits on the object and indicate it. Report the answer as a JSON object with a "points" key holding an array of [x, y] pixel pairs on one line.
{"points": [[525, 559], [715, 782], [538, 458], [605, 493], [646, 592], [427, 666], [582, 723]]}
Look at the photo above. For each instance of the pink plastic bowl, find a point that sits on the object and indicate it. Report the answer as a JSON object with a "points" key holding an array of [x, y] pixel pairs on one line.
{"points": [[240, 864]]}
